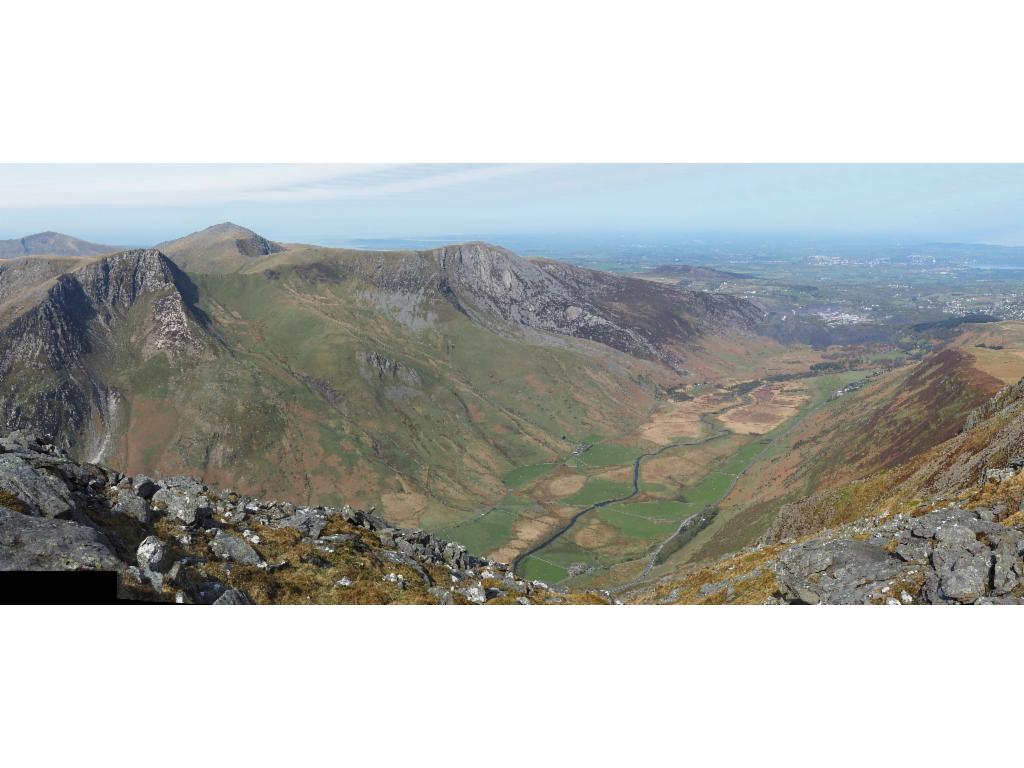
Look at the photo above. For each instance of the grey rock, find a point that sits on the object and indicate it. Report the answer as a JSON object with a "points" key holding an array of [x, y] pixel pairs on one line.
{"points": [[184, 484], [375, 368], [1007, 567], [205, 592], [154, 560], [444, 596], [38, 492], [184, 505], [836, 572], [131, 505], [227, 546], [39, 544], [475, 594], [514, 586], [233, 597], [914, 550], [955, 535], [400, 558], [310, 521], [153, 555], [966, 578], [986, 514]]}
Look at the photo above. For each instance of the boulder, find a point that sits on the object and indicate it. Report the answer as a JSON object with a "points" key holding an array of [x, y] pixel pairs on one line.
{"points": [[39, 544], [227, 546], [310, 521], [27, 489], [475, 594], [186, 506], [233, 597], [154, 560], [153, 555], [966, 577], [131, 505], [836, 571]]}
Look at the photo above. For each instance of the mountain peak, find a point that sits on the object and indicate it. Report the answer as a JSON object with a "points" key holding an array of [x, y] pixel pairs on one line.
{"points": [[223, 247], [51, 243], [226, 227]]}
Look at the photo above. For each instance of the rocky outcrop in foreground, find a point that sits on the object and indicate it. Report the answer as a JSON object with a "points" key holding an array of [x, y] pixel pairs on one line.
{"points": [[967, 551], [176, 540], [947, 556]]}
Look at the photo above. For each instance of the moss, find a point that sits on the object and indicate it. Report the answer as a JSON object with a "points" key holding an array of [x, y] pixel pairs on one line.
{"points": [[11, 501]]}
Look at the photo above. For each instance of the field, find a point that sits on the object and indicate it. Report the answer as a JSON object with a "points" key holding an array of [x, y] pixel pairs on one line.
{"points": [[686, 476], [771, 405]]}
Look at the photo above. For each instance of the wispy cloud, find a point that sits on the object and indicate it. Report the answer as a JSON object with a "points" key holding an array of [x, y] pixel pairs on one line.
{"points": [[39, 186]]}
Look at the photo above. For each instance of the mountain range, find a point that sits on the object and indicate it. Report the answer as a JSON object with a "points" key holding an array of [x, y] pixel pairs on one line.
{"points": [[51, 244], [537, 411], [412, 376]]}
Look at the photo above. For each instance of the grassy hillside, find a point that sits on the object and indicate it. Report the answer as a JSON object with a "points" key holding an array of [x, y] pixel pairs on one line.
{"points": [[972, 471], [291, 411]]}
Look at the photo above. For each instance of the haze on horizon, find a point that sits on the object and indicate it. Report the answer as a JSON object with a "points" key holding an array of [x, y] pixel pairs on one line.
{"points": [[332, 204]]}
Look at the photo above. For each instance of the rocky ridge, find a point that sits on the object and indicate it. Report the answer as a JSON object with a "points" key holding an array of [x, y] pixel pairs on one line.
{"points": [[44, 349], [177, 540], [945, 556], [504, 292]]}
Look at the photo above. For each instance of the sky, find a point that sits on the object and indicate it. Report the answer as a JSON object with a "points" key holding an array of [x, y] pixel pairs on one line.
{"points": [[126, 204]]}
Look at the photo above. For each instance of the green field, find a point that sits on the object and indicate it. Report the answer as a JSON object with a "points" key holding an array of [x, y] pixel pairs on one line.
{"points": [[597, 489], [535, 568], [520, 476], [491, 530], [647, 522], [635, 523], [604, 455]]}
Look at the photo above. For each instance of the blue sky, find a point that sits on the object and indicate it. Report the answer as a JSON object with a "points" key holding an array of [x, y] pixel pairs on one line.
{"points": [[331, 204]]}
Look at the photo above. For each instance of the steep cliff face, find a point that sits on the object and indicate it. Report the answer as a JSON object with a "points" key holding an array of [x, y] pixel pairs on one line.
{"points": [[638, 317], [508, 294], [56, 354]]}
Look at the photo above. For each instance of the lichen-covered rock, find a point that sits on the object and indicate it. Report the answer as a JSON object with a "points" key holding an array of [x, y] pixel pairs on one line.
{"points": [[949, 555], [38, 544], [184, 502], [227, 546], [836, 571], [154, 560], [31, 491], [136, 507]]}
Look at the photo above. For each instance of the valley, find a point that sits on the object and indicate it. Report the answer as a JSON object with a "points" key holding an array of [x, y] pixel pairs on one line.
{"points": [[597, 431]]}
